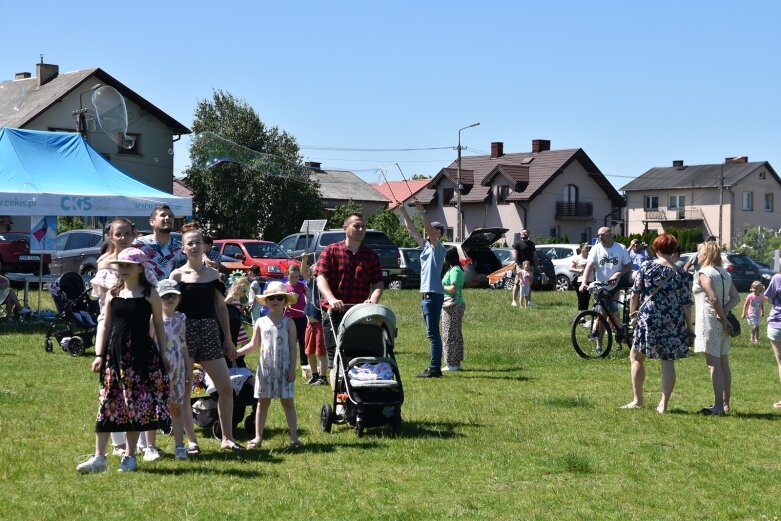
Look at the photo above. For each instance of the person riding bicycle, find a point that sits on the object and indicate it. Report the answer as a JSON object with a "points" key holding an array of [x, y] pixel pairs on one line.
{"points": [[609, 262]]}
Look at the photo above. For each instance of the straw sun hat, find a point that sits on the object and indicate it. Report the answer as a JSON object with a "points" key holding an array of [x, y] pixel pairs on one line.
{"points": [[277, 288]]}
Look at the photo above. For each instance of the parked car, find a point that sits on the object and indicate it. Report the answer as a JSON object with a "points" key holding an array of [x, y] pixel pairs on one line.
{"points": [[544, 265], [78, 251], [743, 269], [390, 257], [15, 254], [561, 255], [270, 258], [409, 264], [477, 258]]}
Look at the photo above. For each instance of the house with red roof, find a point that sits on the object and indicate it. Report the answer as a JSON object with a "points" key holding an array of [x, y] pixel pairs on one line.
{"points": [[552, 193]]}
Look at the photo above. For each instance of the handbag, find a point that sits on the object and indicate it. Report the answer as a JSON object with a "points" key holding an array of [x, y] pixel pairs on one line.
{"points": [[732, 319]]}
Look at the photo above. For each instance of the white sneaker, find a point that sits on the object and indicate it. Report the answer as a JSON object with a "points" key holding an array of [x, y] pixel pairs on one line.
{"points": [[598, 350], [452, 368], [151, 454], [180, 452], [93, 464], [128, 464], [514, 304]]}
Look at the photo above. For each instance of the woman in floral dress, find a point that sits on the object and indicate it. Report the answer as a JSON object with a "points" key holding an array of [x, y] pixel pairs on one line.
{"points": [[663, 328]]}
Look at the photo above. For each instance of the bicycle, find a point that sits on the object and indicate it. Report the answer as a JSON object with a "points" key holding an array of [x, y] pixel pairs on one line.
{"points": [[588, 324]]}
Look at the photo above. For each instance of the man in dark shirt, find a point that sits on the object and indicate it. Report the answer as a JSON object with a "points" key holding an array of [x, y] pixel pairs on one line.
{"points": [[348, 273], [524, 250]]}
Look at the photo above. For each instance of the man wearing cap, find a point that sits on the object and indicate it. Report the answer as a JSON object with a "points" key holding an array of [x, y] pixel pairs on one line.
{"points": [[348, 272], [432, 260], [163, 252]]}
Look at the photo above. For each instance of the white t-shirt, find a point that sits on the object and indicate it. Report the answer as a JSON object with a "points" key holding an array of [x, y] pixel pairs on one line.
{"points": [[607, 261]]}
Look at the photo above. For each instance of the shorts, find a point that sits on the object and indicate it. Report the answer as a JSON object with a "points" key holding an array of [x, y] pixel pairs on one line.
{"points": [[314, 339], [753, 321], [313, 310], [773, 333], [525, 291], [203, 339], [610, 302]]}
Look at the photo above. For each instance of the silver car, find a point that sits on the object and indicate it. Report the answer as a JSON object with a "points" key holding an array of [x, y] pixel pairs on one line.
{"points": [[78, 251], [561, 255]]}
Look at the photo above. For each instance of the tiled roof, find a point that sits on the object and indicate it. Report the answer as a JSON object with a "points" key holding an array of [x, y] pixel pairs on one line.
{"points": [[37, 99], [181, 189], [467, 176], [516, 174], [699, 176], [543, 167], [399, 190], [344, 185], [427, 195]]}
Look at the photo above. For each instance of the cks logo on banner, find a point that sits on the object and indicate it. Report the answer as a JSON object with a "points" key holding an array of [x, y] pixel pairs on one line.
{"points": [[69, 203]]}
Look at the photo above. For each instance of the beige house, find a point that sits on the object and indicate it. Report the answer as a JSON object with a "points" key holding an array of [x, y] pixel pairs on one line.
{"points": [[337, 187], [552, 193], [689, 196]]}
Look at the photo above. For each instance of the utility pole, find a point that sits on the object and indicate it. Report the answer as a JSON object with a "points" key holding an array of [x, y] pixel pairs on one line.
{"points": [[459, 187]]}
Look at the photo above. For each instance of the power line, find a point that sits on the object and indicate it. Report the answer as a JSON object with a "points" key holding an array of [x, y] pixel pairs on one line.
{"points": [[345, 149]]}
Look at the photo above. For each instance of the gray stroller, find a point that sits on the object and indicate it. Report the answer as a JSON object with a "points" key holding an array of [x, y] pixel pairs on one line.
{"points": [[368, 391]]}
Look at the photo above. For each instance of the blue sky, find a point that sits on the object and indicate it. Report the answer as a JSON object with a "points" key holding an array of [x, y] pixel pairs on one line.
{"points": [[635, 84]]}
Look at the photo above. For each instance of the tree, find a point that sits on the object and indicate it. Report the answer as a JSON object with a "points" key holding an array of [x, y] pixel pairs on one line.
{"points": [[342, 211], [67, 223], [419, 177], [234, 199], [388, 222]]}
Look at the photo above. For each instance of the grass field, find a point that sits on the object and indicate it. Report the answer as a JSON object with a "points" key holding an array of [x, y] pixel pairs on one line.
{"points": [[527, 431]]}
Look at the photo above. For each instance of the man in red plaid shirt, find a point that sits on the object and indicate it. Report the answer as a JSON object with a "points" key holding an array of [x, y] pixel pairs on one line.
{"points": [[348, 272]]}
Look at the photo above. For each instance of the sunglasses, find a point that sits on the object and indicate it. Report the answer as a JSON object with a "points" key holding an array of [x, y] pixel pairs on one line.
{"points": [[278, 298]]}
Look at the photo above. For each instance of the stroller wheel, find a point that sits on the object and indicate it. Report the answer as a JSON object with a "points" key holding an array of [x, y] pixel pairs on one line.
{"points": [[396, 424], [47, 345], [249, 424], [326, 418], [217, 430], [166, 428], [76, 346]]}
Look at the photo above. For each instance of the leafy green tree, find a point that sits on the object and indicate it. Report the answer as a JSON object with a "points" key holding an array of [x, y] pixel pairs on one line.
{"points": [[419, 177], [233, 199], [388, 222], [342, 211], [67, 223]]}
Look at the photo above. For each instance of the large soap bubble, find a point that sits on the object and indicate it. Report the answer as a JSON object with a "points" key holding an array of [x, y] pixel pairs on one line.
{"points": [[12, 96], [111, 113], [210, 149]]}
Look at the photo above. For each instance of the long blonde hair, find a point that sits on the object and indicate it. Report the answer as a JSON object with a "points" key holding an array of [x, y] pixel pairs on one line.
{"points": [[711, 254]]}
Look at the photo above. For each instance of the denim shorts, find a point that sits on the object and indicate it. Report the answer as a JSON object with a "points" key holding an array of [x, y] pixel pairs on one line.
{"points": [[773, 333]]}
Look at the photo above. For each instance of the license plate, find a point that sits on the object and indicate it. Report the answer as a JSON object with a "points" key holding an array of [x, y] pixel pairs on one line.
{"points": [[385, 273], [29, 258]]}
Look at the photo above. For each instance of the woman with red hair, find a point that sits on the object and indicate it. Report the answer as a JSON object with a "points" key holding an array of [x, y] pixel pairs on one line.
{"points": [[661, 305]]}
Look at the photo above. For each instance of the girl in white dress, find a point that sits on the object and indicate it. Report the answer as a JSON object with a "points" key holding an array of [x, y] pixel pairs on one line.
{"points": [[275, 334]]}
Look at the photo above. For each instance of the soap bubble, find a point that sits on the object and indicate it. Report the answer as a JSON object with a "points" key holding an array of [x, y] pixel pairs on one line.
{"points": [[170, 151], [157, 160], [12, 96], [111, 113], [210, 150]]}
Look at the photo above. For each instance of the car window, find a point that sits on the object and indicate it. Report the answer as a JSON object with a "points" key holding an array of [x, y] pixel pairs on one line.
{"points": [[741, 260], [265, 250], [413, 256], [305, 242], [79, 240], [231, 250], [62, 240], [563, 253], [378, 239], [330, 238], [288, 244], [11, 237]]}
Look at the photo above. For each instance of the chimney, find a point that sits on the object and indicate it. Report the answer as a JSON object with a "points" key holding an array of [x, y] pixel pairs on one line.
{"points": [[46, 72], [738, 159], [677, 163], [540, 145], [497, 149], [22, 75], [314, 165]]}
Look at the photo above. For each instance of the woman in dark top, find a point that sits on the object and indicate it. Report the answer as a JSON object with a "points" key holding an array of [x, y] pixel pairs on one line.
{"points": [[203, 303]]}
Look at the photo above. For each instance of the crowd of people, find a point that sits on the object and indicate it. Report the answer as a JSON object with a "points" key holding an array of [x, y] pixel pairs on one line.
{"points": [[163, 308]]}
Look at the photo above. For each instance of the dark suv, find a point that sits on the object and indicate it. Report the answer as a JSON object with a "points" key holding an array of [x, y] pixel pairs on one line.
{"points": [[295, 245]]}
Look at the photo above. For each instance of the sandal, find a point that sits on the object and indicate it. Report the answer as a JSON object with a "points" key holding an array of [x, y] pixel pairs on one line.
{"points": [[233, 447], [254, 444], [294, 445], [707, 411], [193, 449]]}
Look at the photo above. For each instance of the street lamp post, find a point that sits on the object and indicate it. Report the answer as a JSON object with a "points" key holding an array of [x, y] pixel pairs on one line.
{"points": [[459, 187]]}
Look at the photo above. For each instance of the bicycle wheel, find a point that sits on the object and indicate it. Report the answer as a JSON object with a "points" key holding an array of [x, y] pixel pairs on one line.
{"points": [[584, 335]]}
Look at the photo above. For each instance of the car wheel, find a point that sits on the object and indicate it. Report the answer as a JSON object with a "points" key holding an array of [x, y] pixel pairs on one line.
{"points": [[89, 271], [563, 283], [395, 284]]}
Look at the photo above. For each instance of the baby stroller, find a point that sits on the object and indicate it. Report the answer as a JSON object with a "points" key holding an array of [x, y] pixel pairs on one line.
{"points": [[368, 390], [76, 321], [205, 397]]}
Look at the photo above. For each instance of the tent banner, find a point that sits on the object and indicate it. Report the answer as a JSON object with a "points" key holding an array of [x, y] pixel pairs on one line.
{"points": [[88, 205]]}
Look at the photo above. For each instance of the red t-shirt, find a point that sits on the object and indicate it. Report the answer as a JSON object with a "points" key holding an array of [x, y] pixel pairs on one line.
{"points": [[350, 275]]}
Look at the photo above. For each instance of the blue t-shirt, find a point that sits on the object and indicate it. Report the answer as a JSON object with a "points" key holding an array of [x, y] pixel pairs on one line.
{"points": [[432, 259]]}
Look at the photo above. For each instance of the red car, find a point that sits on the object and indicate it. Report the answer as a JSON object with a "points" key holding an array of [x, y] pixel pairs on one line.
{"points": [[271, 259], [15, 254]]}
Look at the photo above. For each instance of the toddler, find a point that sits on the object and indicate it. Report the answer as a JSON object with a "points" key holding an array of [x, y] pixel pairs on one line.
{"points": [[754, 309], [523, 279]]}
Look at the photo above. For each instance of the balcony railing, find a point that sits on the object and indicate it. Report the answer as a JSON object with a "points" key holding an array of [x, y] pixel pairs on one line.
{"points": [[675, 214], [565, 209]]}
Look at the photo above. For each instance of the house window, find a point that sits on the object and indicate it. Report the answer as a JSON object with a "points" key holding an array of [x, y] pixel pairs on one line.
{"points": [[677, 201], [447, 194], [651, 203], [586, 235], [762, 175], [502, 191], [135, 150], [769, 202], [570, 194], [450, 233], [748, 201], [555, 231]]}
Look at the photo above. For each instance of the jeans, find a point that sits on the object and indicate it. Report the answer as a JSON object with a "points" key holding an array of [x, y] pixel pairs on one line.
{"points": [[431, 303]]}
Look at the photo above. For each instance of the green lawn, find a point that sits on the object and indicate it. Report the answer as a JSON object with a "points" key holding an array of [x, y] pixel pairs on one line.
{"points": [[527, 431]]}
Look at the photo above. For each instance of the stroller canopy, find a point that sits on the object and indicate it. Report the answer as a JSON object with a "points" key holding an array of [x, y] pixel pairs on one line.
{"points": [[367, 330]]}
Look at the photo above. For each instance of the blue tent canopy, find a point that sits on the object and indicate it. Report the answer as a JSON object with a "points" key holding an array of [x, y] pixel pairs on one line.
{"points": [[59, 173]]}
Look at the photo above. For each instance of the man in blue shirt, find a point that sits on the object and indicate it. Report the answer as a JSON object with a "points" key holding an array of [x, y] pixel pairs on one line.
{"points": [[432, 259]]}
